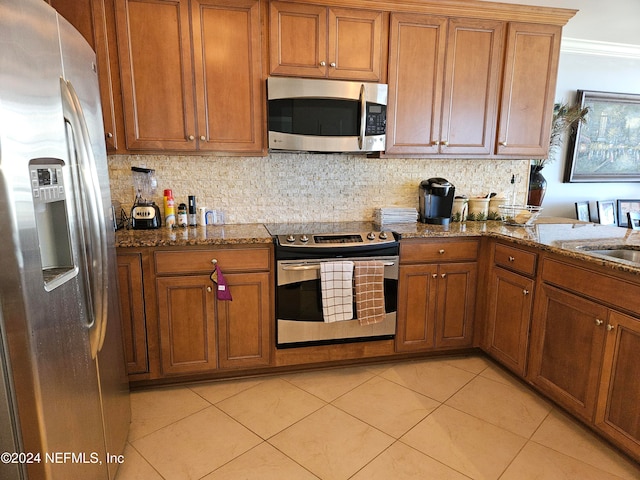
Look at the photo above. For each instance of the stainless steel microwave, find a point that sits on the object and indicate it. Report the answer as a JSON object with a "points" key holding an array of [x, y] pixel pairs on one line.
{"points": [[326, 115]]}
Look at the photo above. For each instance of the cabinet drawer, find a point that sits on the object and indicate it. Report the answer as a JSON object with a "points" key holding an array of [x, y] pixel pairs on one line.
{"points": [[592, 284], [438, 251], [515, 259], [201, 261]]}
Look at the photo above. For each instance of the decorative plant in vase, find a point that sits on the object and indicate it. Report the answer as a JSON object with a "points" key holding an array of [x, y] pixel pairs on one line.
{"points": [[564, 118]]}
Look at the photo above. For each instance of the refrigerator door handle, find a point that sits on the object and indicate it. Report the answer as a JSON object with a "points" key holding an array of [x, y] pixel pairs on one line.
{"points": [[93, 221]]}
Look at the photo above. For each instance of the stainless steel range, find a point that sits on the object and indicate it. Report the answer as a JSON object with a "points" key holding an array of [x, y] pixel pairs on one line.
{"points": [[300, 249]]}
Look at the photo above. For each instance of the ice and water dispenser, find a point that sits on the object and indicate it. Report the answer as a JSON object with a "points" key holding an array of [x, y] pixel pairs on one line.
{"points": [[49, 194]]}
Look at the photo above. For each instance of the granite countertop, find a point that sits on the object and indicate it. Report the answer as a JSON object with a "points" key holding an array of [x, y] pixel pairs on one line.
{"points": [[558, 235], [234, 234]]}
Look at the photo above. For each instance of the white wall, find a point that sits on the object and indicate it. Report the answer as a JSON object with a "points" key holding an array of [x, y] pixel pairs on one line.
{"points": [[609, 61]]}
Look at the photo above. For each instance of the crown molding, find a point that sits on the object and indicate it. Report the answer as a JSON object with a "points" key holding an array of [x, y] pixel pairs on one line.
{"points": [[593, 47]]}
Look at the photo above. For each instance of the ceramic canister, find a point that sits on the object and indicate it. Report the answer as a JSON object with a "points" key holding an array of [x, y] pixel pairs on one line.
{"points": [[478, 208]]}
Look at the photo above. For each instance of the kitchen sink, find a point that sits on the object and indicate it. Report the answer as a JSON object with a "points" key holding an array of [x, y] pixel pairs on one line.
{"points": [[623, 253]]}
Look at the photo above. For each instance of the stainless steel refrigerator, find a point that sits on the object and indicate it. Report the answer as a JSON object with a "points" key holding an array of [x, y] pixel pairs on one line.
{"points": [[64, 400]]}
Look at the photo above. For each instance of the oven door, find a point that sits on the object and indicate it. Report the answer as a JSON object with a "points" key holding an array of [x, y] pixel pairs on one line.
{"points": [[299, 319]]}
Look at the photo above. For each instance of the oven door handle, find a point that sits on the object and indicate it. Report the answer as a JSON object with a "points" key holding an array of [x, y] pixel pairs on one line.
{"points": [[316, 266]]}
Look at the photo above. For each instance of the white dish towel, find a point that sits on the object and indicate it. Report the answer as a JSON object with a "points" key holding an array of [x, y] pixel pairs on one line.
{"points": [[336, 282]]}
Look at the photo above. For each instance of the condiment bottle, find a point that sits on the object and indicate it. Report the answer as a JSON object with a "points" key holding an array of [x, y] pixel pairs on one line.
{"points": [[192, 212], [182, 215], [169, 209]]}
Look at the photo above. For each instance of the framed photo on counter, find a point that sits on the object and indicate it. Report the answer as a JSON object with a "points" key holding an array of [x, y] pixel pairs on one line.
{"points": [[625, 206], [582, 211], [607, 212]]}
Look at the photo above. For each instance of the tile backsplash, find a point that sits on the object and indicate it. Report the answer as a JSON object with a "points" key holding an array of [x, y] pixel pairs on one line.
{"points": [[300, 187]]}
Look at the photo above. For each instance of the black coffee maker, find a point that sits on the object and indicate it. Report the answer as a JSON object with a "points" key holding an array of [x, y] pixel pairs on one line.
{"points": [[436, 201]]}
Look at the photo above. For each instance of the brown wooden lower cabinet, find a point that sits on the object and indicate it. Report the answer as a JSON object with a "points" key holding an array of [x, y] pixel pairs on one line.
{"points": [[132, 308], [510, 302], [186, 319], [436, 304], [618, 410], [567, 341]]}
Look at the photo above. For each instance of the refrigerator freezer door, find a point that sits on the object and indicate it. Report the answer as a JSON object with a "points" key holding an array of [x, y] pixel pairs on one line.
{"points": [[80, 71]]}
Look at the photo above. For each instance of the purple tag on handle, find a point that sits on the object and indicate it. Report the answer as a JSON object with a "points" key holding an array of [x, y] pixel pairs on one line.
{"points": [[222, 289]]}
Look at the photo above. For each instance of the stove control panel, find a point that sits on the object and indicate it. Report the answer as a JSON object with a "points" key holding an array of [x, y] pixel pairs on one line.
{"points": [[336, 239]]}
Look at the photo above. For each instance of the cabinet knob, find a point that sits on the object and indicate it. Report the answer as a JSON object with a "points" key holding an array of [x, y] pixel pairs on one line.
{"points": [[434, 275], [599, 322], [435, 142], [512, 259], [191, 137], [444, 142], [525, 292], [214, 261], [323, 64], [332, 64], [203, 138], [503, 144], [209, 289], [109, 135], [444, 275], [610, 327], [441, 251]]}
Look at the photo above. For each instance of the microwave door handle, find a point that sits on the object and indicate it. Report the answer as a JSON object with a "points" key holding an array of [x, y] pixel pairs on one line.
{"points": [[363, 116]]}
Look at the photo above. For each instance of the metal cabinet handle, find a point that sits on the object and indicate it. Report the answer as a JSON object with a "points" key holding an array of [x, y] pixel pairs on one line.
{"points": [[436, 142], [444, 143], [599, 322], [434, 275], [214, 261], [444, 275], [323, 64], [441, 251], [209, 289], [525, 292], [332, 64], [191, 137], [203, 138], [109, 135], [512, 259], [503, 144], [610, 327]]}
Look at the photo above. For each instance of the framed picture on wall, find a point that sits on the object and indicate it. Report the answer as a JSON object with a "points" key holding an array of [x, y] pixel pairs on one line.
{"points": [[606, 146], [607, 212], [625, 206], [582, 211]]}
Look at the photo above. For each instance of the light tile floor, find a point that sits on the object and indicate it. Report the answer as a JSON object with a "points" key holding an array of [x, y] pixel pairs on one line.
{"points": [[448, 418]]}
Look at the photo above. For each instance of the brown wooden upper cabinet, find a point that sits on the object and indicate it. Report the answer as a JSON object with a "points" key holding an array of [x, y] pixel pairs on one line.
{"points": [[191, 74], [529, 85], [94, 20], [443, 84], [325, 42]]}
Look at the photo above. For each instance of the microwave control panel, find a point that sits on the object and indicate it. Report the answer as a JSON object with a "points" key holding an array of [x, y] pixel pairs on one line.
{"points": [[376, 119]]}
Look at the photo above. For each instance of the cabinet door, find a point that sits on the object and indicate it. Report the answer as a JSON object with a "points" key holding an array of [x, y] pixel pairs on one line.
{"points": [[529, 85], [298, 39], [228, 72], [618, 413], [416, 69], [417, 288], [456, 301], [567, 341], [510, 301], [472, 75], [356, 44], [245, 323], [156, 74], [134, 327], [186, 317], [94, 20]]}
